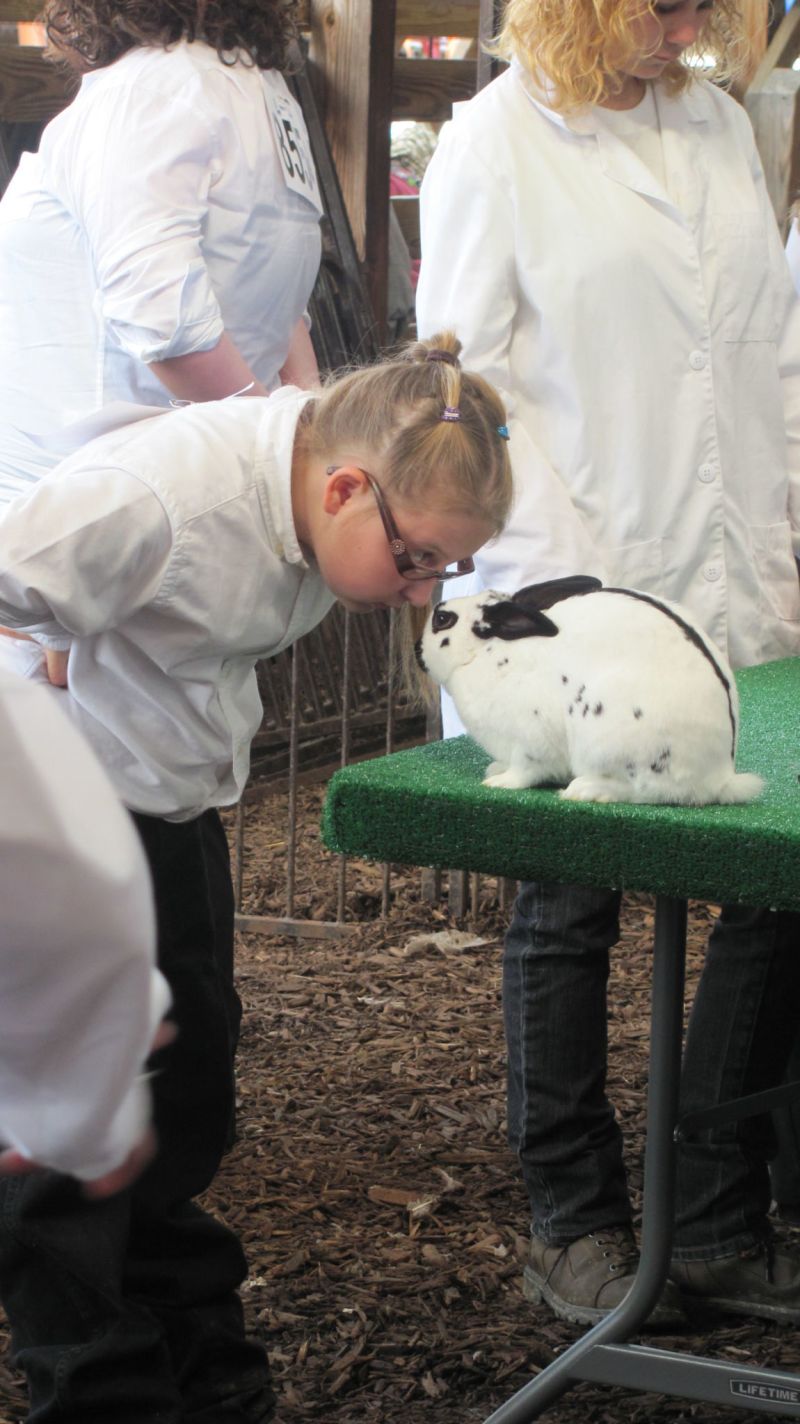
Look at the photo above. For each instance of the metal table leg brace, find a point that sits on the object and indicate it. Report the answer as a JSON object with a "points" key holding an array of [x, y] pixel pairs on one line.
{"points": [[428, 806], [601, 1355]]}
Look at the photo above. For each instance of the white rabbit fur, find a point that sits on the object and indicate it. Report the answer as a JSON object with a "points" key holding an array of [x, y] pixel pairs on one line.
{"points": [[618, 704]]}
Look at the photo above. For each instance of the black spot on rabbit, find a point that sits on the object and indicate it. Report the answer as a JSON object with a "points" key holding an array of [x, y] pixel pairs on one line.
{"points": [[579, 702], [662, 761], [598, 709], [637, 712]]}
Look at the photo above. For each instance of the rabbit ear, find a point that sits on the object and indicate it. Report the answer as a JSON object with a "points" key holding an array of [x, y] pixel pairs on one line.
{"points": [[508, 619], [544, 595]]}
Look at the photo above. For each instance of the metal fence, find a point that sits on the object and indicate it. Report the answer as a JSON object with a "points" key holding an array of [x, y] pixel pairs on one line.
{"points": [[330, 699]]}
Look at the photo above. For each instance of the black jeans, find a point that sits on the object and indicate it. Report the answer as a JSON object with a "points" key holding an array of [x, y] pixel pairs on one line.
{"points": [[127, 1310], [785, 1168], [742, 1025]]}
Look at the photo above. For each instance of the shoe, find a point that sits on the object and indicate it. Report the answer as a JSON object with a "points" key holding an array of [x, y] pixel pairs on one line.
{"points": [[763, 1282], [584, 1281]]}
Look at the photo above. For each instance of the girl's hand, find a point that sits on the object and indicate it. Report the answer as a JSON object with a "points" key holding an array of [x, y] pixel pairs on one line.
{"points": [[55, 661], [15, 1164]]}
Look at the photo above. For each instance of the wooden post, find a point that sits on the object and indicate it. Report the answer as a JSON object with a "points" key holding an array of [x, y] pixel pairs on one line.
{"points": [[490, 16], [352, 44], [773, 103]]}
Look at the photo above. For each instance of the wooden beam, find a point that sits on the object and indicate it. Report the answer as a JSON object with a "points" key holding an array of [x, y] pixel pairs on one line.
{"points": [[426, 89], [414, 17], [774, 110], [352, 45], [438, 17], [782, 50], [31, 90], [489, 19], [406, 210], [19, 10]]}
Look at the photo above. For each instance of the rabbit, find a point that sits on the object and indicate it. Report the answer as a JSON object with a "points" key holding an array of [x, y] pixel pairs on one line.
{"points": [[615, 695]]}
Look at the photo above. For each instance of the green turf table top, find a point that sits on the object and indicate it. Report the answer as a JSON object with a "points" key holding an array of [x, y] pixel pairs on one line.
{"points": [[426, 806]]}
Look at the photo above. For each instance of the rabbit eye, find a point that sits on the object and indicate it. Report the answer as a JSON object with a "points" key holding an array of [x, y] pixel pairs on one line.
{"points": [[443, 618]]}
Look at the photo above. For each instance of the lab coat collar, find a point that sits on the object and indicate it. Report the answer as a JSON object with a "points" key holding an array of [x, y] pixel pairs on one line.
{"points": [[688, 107], [275, 441], [619, 162]]}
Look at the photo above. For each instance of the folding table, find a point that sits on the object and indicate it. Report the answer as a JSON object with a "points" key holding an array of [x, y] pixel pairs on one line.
{"points": [[426, 806]]}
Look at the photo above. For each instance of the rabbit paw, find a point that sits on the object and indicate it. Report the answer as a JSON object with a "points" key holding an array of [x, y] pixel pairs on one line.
{"points": [[511, 778], [596, 788]]}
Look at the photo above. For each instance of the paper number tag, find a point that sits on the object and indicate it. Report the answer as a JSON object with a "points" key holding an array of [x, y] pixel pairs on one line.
{"points": [[294, 150]]}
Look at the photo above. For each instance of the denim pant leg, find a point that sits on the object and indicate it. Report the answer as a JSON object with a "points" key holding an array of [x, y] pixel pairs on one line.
{"points": [[128, 1310], [87, 1353], [741, 1030], [555, 974], [185, 1264], [785, 1168]]}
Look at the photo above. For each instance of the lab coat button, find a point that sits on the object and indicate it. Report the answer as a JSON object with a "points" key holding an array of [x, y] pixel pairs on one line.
{"points": [[697, 361], [706, 473], [712, 572]]}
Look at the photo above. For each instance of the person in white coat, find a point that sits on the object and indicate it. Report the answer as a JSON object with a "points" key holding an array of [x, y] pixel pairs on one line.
{"points": [[164, 240], [785, 1165], [596, 223], [80, 998], [194, 543]]}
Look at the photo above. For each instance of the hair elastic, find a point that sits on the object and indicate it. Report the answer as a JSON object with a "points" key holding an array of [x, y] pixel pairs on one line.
{"points": [[502, 431], [450, 412], [437, 354]]}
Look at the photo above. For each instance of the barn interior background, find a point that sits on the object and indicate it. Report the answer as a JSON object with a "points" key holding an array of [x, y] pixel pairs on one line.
{"points": [[382, 1214], [376, 80]]}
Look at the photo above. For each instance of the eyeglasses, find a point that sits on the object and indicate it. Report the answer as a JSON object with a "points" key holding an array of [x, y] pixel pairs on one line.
{"points": [[409, 567]]}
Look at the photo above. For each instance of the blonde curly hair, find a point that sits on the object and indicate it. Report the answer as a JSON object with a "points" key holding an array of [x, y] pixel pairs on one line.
{"points": [[569, 44]]}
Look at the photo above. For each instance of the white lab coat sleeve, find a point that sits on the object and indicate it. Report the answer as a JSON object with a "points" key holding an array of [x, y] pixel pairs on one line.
{"points": [[80, 997], [140, 192], [789, 361], [80, 553], [793, 254], [468, 284]]}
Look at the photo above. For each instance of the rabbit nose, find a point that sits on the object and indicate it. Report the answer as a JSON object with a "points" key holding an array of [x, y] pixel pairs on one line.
{"points": [[443, 618]]}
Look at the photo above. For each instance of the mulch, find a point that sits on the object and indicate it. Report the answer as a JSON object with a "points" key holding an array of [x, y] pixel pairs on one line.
{"points": [[382, 1213]]}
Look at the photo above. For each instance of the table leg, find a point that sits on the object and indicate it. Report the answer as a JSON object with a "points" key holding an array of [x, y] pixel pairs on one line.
{"points": [[658, 1202]]}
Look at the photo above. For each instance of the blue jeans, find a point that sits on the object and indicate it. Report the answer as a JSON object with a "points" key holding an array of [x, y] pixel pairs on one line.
{"points": [[127, 1310], [561, 1123], [785, 1166]]}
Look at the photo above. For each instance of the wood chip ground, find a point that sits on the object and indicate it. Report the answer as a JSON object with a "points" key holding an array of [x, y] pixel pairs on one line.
{"points": [[383, 1215]]}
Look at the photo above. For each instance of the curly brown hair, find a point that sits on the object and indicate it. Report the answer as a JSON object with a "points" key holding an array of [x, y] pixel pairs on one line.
{"points": [[93, 33]]}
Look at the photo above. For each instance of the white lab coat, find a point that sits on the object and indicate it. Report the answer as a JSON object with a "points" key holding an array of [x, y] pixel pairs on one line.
{"points": [[158, 211], [80, 997], [793, 253], [164, 555], [646, 343]]}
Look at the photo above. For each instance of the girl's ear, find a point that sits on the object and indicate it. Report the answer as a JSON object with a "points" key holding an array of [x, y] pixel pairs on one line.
{"points": [[341, 483]]}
